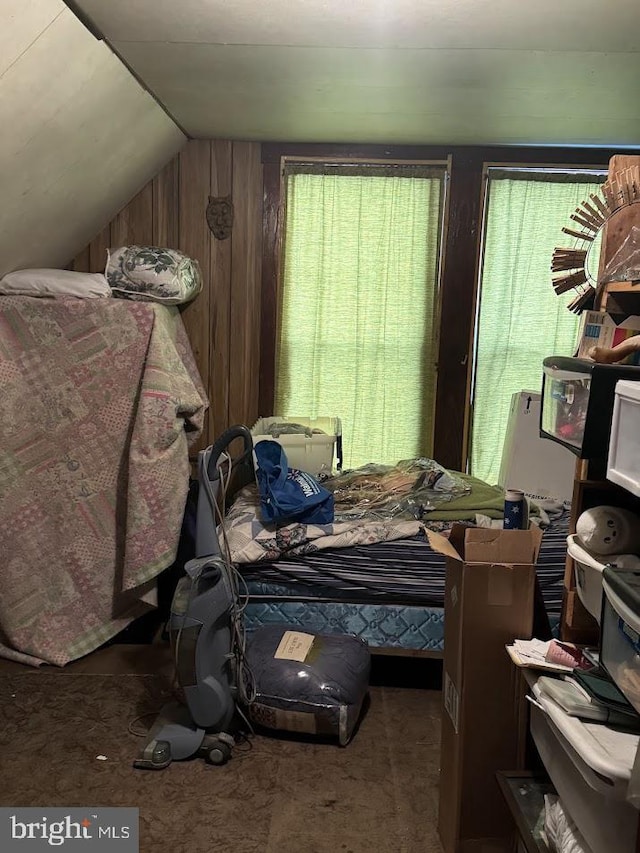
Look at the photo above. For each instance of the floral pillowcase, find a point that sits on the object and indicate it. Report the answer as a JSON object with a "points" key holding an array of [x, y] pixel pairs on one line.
{"points": [[154, 274]]}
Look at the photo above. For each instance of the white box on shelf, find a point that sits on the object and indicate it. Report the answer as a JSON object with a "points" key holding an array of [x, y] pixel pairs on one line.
{"points": [[623, 464], [537, 466], [312, 448]]}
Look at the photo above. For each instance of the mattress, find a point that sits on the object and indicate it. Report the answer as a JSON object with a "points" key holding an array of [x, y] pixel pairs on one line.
{"points": [[405, 570], [383, 626], [389, 593]]}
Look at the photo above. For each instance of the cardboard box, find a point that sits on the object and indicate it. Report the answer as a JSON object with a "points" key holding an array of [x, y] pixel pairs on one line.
{"points": [[489, 599], [541, 468], [607, 330]]}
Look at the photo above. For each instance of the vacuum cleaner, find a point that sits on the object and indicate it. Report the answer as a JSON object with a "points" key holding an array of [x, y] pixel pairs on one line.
{"points": [[205, 625]]}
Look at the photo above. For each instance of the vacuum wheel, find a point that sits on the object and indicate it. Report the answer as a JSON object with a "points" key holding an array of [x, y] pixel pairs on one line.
{"points": [[218, 754]]}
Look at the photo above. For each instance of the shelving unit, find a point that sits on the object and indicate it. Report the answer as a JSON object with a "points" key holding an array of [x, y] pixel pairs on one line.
{"points": [[619, 297], [524, 794], [590, 489]]}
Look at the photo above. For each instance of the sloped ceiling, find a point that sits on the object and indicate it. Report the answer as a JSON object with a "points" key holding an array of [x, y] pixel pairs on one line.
{"points": [[394, 71], [79, 137]]}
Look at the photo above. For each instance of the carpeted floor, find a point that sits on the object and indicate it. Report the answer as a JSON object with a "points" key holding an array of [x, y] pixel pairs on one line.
{"points": [[377, 795]]}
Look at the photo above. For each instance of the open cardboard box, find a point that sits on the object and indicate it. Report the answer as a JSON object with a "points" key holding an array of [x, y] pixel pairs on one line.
{"points": [[489, 600]]}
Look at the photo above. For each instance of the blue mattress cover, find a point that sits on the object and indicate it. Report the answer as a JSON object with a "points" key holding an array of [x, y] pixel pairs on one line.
{"points": [[388, 626]]}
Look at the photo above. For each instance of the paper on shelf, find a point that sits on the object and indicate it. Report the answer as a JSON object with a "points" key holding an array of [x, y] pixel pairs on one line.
{"points": [[532, 653]]}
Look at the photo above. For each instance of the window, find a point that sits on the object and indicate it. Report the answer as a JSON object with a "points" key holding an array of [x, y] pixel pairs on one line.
{"points": [[357, 319], [520, 318]]}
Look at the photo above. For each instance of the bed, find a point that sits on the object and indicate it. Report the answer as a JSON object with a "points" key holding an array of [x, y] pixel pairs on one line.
{"points": [[101, 399], [384, 584]]}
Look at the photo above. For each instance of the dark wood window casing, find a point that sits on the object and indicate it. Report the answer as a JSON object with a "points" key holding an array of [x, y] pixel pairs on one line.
{"points": [[459, 267]]}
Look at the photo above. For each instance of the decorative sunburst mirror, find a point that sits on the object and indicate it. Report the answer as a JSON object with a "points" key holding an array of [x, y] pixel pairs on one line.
{"points": [[570, 265]]}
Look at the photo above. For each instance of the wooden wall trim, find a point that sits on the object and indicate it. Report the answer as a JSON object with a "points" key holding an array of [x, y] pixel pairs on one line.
{"points": [[458, 279], [270, 278], [195, 181], [457, 309], [220, 306], [244, 325]]}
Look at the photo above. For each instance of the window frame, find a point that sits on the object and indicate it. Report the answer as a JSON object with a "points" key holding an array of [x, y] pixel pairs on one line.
{"points": [[375, 167], [459, 260], [514, 171]]}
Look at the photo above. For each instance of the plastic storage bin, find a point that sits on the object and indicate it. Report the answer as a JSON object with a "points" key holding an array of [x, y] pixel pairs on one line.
{"points": [[623, 464], [311, 449], [594, 798], [588, 575], [620, 634], [577, 403]]}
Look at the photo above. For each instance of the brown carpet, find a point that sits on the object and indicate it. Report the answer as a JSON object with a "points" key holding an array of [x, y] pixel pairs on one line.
{"points": [[377, 795]]}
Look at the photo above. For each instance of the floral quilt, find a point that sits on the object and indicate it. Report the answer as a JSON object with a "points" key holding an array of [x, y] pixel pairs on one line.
{"points": [[100, 401]]}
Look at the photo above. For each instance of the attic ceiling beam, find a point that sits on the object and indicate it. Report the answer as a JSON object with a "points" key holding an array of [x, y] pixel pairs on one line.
{"points": [[85, 19], [88, 22]]}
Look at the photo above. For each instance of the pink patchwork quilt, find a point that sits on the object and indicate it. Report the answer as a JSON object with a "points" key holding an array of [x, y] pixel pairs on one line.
{"points": [[100, 401]]}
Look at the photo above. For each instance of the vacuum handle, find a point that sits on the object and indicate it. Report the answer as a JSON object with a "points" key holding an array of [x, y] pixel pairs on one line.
{"points": [[220, 445]]}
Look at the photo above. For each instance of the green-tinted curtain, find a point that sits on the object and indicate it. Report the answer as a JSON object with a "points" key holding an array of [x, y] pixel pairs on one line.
{"points": [[521, 319], [356, 321]]}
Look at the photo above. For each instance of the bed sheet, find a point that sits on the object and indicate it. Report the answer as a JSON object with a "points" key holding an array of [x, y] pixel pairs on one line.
{"points": [[461, 497], [101, 398]]}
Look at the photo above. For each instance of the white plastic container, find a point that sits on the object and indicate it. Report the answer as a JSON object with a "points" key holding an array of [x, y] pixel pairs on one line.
{"points": [[588, 575], [623, 464], [588, 572], [595, 801], [312, 450], [620, 641]]}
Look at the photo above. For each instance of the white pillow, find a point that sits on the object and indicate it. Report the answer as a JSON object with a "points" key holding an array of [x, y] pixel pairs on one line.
{"points": [[43, 282]]}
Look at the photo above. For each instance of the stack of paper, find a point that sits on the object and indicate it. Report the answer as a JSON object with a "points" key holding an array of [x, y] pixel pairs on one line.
{"points": [[534, 653]]}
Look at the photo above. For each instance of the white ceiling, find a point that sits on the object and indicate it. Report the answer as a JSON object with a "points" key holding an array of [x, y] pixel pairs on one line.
{"points": [[389, 71]]}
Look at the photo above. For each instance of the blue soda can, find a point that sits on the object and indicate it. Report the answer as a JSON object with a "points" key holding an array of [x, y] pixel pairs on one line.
{"points": [[516, 510]]}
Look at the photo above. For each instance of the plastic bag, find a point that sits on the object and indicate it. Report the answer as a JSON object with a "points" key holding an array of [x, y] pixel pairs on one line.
{"points": [[308, 683], [287, 494], [624, 265], [411, 488]]}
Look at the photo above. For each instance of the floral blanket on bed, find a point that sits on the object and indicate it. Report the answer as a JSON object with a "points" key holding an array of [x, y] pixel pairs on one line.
{"points": [[100, 399]]}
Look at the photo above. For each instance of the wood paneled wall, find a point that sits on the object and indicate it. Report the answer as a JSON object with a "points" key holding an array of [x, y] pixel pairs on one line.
{"points": [[223, 322]]}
